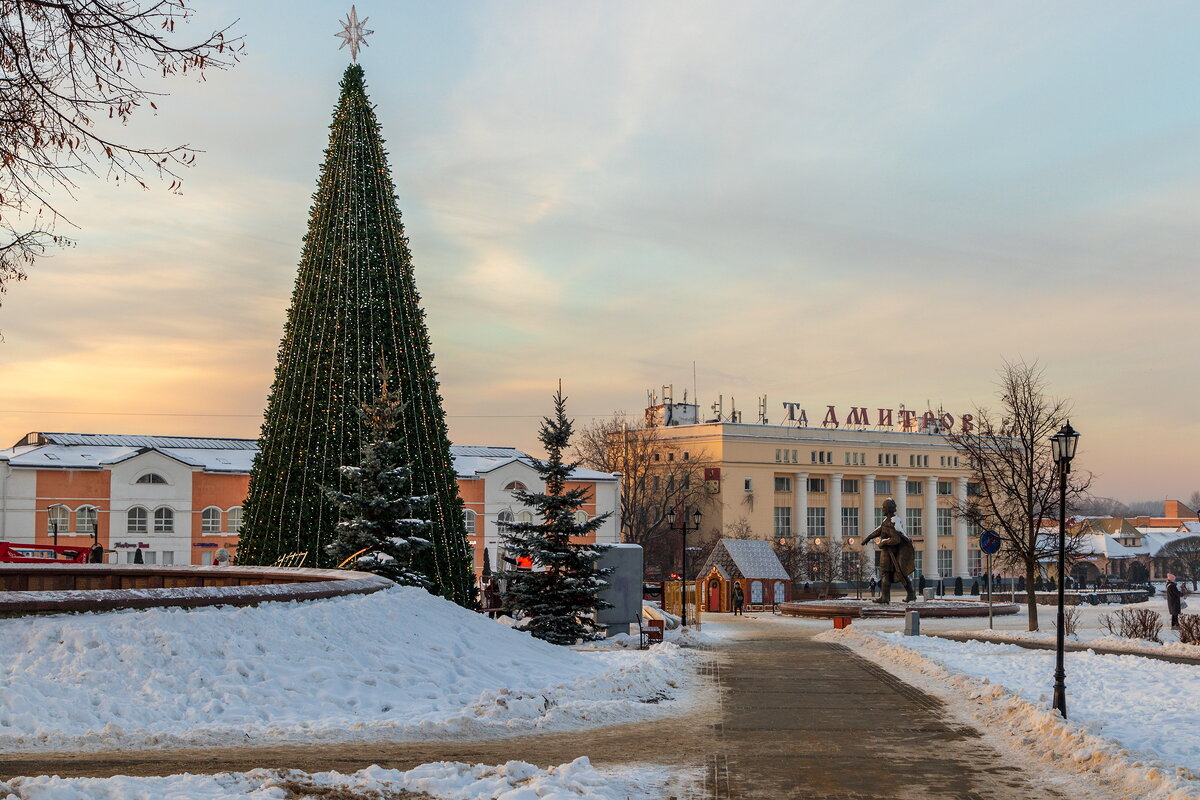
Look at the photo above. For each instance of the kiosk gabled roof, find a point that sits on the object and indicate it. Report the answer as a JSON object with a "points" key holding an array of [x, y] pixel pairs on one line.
{"points": [[747, 558]]}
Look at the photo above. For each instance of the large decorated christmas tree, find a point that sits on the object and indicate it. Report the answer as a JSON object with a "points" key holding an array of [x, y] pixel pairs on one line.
{"points": [[355, 314]]}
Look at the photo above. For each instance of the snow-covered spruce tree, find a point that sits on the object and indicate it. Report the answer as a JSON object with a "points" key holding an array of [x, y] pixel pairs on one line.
{"points": [[559, 594], [381, 528]]}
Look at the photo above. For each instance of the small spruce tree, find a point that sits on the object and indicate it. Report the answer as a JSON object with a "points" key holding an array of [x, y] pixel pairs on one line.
{"points": [[380, 528], [559, 594]]}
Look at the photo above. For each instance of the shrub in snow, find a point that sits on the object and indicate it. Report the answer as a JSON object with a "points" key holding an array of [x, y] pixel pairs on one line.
{"points": [[958, 589], [1134, 623], [975, 588], [379, 528], [559, 594], [1070, 620], [1189, 628]]}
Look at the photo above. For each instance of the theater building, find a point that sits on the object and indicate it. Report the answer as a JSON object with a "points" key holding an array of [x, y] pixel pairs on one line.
{"points": [[178, 499], [810, 482]]}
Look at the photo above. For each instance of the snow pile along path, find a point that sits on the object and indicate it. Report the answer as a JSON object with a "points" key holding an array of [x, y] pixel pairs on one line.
{"points": [[1131, 720], [445, 780], [399, 664]]}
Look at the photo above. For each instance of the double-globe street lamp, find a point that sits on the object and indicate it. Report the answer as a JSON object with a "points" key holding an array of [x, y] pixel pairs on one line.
{"points": [[683, 529], [1064, 443]]}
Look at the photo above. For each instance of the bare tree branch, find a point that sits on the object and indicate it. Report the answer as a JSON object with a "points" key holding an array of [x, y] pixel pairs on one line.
{"points": [[1018, 481], [655, 478], [63, 66]]}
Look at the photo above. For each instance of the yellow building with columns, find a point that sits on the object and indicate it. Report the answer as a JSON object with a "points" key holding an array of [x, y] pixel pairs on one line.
{"points": [[805, 482]]}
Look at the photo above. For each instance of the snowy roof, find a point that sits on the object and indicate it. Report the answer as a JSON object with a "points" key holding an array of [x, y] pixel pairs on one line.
{"points": [[155, 442], [746, 558], [98, 450], [470, 462]]}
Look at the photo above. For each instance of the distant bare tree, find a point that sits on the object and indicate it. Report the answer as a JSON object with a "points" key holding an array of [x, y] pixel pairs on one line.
{"points": [[655, 478], [1194, 501], [1010, 452], [1101, 507], [65, 65], [1184, 557], [825, 562]]}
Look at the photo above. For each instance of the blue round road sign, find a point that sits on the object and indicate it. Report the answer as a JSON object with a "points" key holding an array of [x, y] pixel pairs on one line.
{"points": [[989, 542]]}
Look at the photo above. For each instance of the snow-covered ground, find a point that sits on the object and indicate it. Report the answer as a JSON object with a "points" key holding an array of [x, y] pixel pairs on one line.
{"points": [[515, 780], [1132, 720], [399, 665]]}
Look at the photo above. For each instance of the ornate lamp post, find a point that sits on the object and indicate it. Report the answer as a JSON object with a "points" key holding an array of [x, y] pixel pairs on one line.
{"points": [[697, 516], [1064, 442]]}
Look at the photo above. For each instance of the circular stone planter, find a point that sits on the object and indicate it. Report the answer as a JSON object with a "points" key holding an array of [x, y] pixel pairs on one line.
{"points": [[56, 588], [865, 609]]}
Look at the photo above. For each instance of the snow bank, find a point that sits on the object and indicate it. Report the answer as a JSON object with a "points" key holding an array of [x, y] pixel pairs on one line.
{"points": [[1103, 641], [399, 664], [515, 780], [1131, 719]]}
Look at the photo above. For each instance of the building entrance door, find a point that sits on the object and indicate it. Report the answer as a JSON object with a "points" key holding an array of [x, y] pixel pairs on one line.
{"points": [[714, 595]]}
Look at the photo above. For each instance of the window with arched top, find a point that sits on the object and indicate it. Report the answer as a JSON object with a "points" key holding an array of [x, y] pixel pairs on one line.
{"points": [[581, 517], [210, 520], [136, 520], [516, 486], [524, 516], [504, 519], [58, 519], [469, 521], [756, 593], [85, 519], [164, 520], [151, 477], [233, 520]]}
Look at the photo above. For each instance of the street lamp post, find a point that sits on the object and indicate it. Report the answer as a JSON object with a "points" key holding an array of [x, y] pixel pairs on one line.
{"points": [[683, 530], [1064, 442]]}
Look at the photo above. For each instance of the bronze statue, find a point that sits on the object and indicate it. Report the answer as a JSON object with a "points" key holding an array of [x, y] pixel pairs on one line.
{"points": [[896, 556]]}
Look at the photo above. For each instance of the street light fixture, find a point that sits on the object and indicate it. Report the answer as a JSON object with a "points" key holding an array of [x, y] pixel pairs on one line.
{"points": [[697, 516], [1064, 443]]}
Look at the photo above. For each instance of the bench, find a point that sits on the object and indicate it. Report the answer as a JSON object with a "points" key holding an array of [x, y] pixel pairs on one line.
{"points": [[652, 633]]}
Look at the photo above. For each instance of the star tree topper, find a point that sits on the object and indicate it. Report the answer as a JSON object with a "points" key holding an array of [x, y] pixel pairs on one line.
{"points": [[353, 33]]}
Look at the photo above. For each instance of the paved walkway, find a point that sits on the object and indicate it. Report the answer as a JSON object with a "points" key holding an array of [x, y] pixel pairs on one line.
{"points": [[808, 719], [796, 718]]}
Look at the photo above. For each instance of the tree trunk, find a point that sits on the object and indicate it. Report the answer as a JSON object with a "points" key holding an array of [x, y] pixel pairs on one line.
{"points": [[1030, 595]]}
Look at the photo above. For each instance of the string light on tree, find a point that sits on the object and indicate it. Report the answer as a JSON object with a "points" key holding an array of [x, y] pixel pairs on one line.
{"points": [[355, 306]]}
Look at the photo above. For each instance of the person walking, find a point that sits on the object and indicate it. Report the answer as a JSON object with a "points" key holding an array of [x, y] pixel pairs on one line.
{"points": [[1173, 600], [739, 600], [96, 554]]}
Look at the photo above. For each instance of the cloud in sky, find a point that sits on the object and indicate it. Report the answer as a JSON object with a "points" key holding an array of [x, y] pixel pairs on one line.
{"points": [[827, 203]]}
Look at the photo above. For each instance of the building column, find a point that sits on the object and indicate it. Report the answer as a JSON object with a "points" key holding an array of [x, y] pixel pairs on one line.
{"points": [[961, 568], [833, 514], [800, 508], [929, 523], [901, 498], [866, 520]]}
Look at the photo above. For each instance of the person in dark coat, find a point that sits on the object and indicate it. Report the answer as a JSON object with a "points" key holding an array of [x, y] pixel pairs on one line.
{"points": [[96, 555], [1173, 600], [739, 600]]}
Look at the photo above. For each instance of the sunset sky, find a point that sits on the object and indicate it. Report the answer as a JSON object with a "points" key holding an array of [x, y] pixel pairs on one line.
{"points": [[857, 203]]}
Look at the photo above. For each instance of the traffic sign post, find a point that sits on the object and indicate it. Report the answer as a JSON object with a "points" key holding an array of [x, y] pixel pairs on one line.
{"points": [[989, 543]]}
